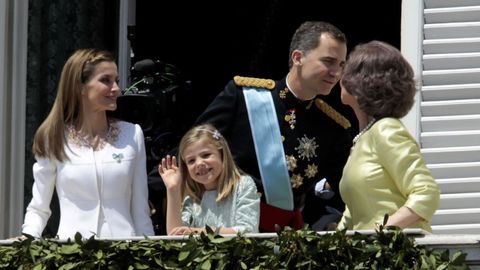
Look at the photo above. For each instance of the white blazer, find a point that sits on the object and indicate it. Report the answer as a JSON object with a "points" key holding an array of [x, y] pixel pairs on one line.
{"points": [[108, 186]]}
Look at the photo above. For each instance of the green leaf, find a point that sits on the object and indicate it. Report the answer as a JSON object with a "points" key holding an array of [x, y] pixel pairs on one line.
{"points": [[70, 249], [78, 238], [209, 230], [99, 255], [221, 240], [38, 267], [385, 219], [458, 258], [68, 266], [206, 265], [442, 267], [290, 249], [183, 255], [141, 266]]}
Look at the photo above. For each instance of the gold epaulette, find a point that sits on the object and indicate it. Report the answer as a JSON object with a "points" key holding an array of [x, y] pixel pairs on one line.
{"points": [[332, 113], [254, 82]]}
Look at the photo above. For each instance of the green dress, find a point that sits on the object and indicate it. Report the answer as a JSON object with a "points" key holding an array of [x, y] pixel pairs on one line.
{"points": [[384, 172], [239, 211]]}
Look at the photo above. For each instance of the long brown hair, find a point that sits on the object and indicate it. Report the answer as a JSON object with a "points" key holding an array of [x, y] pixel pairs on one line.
{"points": [[230, 174], [50, 138]]}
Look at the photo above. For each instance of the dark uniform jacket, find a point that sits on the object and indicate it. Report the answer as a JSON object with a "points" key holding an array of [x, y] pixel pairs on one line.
{"points": [[316, 145]]}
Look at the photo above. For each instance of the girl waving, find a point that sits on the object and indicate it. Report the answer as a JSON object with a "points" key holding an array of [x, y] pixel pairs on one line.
{"points": [[212, 188]]}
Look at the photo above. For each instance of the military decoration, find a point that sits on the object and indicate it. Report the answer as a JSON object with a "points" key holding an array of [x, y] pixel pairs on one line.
{"points": [[306, 148], [311, 171], [291, 118], [297, 180], [291, 163], [283, 93]]}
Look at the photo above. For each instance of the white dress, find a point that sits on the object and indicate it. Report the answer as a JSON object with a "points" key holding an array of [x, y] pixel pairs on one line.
{"points": [[102, 193]]}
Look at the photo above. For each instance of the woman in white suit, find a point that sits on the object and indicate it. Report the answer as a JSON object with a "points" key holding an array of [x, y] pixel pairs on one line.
{"points": [[97, 164]]}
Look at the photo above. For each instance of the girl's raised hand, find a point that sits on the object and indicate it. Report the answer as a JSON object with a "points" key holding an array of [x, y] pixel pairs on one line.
{"points": [[170, 172]]}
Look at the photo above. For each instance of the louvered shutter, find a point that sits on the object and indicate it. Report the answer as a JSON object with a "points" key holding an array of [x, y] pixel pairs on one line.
{"points": [[450, 110]]}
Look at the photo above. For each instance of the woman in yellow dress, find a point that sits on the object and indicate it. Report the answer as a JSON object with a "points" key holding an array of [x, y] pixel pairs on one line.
{"points": [[385, 173]]}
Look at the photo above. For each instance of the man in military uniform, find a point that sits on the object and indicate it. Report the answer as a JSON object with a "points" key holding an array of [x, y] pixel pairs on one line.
{"points": [[314, 138]]}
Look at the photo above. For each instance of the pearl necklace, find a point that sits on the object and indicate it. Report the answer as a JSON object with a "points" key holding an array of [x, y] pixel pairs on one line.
{"points": [[368, 126]]}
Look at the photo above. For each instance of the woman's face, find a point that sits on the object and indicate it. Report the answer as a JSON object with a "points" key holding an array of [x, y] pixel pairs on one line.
{"points": [[101, 90], [204, 163], [347, 98]]}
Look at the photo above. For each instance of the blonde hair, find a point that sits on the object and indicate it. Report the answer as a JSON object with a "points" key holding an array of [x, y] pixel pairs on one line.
{"points": [[230, 174], [50, 138]]}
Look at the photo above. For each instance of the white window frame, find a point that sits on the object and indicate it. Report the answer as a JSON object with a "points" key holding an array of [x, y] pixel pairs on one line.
{"points": [[126, 18], [13, 74], [411, 45]]}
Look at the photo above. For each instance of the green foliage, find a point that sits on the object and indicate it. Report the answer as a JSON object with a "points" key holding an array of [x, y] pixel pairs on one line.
{"points": [[389, 248]]}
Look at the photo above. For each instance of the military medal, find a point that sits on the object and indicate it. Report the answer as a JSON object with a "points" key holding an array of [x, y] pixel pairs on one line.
{"points": [[306, 147], [311, 171], [291, 118], [297, 180], [283, 93]]}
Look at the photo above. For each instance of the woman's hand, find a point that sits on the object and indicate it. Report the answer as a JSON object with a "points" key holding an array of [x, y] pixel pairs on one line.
{"points": [[18, 238], [170, 172], [403, 218]]}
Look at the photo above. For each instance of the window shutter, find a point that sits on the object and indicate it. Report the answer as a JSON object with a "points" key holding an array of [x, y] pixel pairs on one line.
{"points": [[450, 110]]}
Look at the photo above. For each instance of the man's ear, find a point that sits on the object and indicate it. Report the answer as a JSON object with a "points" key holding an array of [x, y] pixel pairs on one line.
{"points": [[297, 57]]}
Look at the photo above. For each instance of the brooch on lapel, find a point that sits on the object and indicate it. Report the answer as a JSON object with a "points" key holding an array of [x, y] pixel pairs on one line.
{"points": [[117, 157]]}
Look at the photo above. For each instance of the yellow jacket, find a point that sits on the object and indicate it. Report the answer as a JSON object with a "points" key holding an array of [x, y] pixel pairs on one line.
{"points": [[384, 172]]}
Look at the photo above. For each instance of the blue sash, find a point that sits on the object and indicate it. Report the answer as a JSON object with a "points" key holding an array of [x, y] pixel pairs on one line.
{"points": [[269, 148]]}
